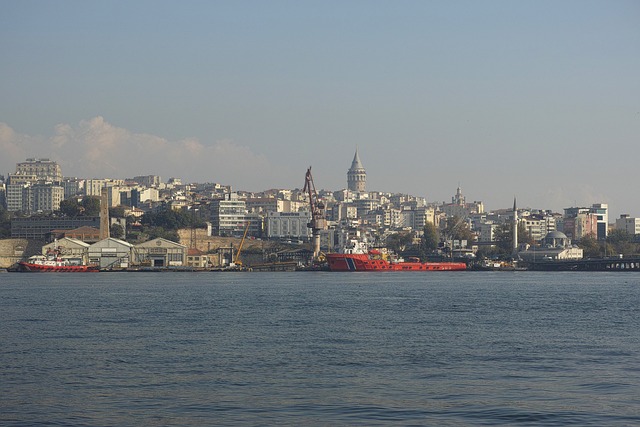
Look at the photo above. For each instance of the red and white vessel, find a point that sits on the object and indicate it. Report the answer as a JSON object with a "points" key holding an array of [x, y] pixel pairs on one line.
{"points": [[53, 263], [356, 257]]}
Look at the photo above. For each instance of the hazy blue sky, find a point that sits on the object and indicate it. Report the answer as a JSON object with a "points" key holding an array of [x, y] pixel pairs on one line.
{"points": [[539, 99]]}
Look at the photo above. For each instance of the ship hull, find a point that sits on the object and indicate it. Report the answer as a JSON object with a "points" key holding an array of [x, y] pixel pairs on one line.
{"points": [[363, 262], [39, 268]]}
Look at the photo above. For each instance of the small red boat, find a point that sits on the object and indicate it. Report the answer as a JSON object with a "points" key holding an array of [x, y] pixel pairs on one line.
{"points": [[53, 263], [357, 258]]}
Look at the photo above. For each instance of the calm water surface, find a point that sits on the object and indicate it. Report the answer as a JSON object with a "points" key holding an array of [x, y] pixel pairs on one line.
{"points": [[519, 348]]}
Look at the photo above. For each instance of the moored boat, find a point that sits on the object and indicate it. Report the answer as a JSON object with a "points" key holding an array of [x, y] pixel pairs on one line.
{"points": [[357, 258], [53, 263]]}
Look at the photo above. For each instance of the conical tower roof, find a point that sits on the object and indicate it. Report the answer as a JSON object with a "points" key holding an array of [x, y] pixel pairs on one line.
{"points": [[356, 164]]}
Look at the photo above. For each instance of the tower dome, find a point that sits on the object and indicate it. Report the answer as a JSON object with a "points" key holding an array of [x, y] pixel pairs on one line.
{"points": [[357, 176]]}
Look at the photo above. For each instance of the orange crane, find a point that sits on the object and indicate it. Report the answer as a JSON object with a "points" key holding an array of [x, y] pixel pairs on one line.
{"points": [[237, 262], [318, 220]]}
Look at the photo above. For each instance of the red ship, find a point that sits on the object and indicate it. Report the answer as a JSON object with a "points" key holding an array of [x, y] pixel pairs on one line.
{"points": [[52, 263], [356, 258]]}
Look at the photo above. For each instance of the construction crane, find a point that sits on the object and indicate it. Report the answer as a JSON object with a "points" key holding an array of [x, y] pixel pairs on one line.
{"points": [[237, 261], [318, 221]]}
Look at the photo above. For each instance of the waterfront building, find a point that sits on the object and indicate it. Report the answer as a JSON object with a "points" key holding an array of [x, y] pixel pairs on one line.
{"points": [[111, 253], [160, 252], [357, 176], [196, 258], [555, 246]]}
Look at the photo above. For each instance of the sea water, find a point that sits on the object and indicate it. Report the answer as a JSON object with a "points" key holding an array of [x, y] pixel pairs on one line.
{"points": [[319, 348]]}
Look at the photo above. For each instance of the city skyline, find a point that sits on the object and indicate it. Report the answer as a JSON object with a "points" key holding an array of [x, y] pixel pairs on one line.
{"points": [[534, 99]]}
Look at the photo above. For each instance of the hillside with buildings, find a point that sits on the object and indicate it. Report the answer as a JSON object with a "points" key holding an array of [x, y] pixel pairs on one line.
{"points": [[39, 204]]}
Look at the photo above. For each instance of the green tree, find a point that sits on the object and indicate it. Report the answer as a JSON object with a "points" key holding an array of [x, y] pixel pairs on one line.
{"points": [[621, 242], [591, 247], [116, 212], [5, 223], [70, 207], [398, 242], [91, 206], [155, 232], [457, 229], [430, 239], [503, 237], [117, 231]]}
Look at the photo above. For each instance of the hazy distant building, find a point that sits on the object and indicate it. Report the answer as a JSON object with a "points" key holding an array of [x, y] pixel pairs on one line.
{"points": [[628, 224], [148, 180], [459, 206], [41, 169], [357, 176]]}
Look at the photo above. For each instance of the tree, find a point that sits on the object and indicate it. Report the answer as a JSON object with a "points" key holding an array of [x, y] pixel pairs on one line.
{"points": [[117, 231], [503, 237], [91, 206], [70, 207], [457, 229], [5, 223], [116, 212], [430, 239], [621, 242], [590, 246], [398, 242]]}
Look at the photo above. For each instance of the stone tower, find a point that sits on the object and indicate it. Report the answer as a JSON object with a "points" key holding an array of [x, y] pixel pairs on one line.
{"points": [[356, 176]]}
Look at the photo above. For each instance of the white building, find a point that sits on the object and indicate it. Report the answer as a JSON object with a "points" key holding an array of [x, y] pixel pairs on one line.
{"points": [[228, 215], [289, 225]]}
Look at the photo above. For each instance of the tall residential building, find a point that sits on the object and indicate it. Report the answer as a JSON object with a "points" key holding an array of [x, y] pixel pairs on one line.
{"points": [[601, 210], [35, 187], [228, 215], [42, 169], [36, 197], [357, 176], [579, 223]]}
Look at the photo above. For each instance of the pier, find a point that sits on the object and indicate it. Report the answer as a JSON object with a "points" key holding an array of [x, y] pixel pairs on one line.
{"points": [[597, 264]]}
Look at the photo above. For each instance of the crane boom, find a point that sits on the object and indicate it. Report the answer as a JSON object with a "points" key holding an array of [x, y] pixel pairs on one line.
{"points": [[244, 236], [318, 220]]}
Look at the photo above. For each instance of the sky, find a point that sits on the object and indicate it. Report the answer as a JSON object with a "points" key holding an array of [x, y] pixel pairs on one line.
{"points": [[534, 99]]}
